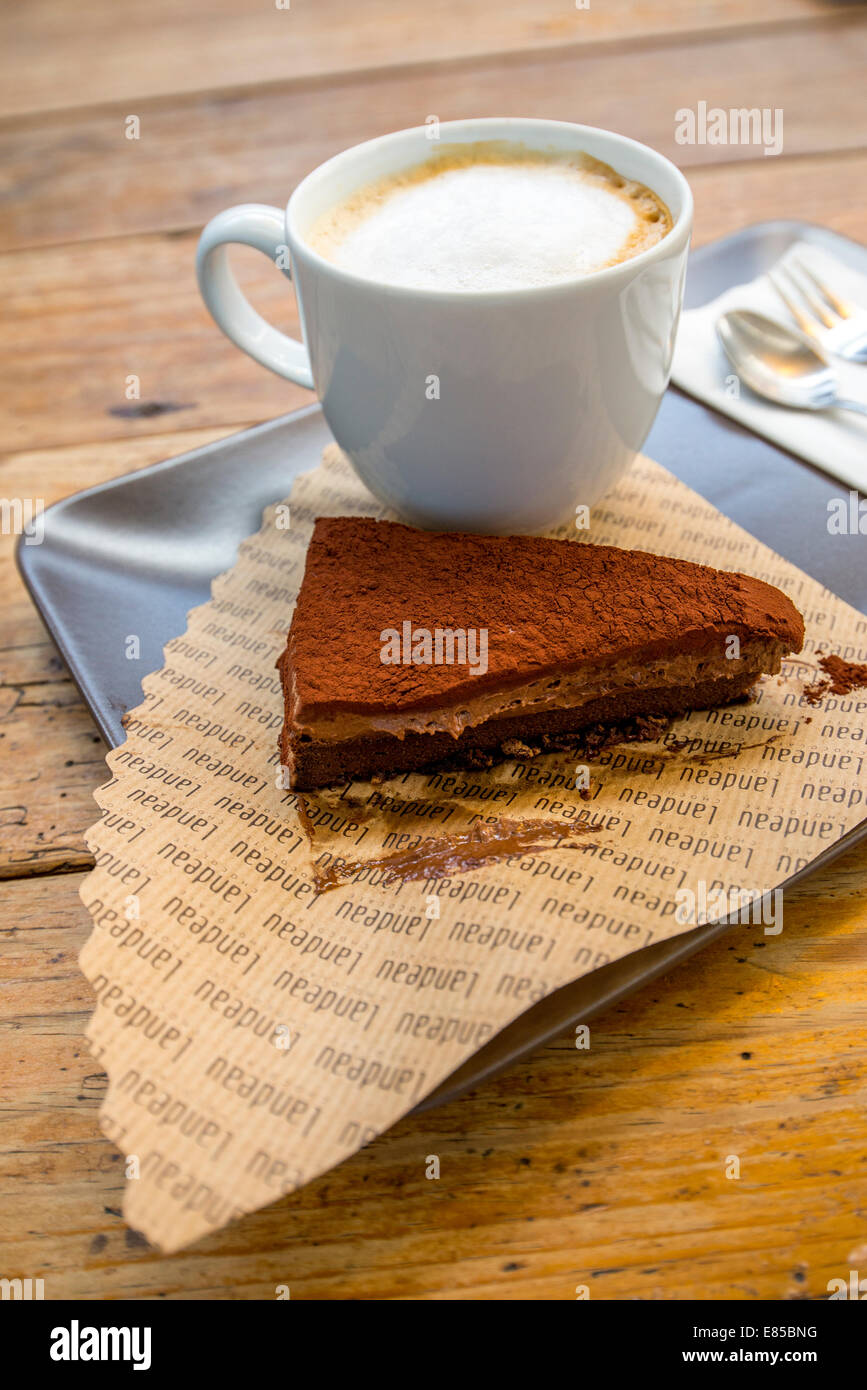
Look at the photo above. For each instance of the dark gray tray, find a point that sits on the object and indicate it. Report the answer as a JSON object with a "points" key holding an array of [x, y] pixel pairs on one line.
{"points": [[134, 555]]}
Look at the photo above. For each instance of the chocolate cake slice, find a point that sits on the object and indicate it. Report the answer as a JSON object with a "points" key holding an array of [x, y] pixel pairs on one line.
{"points": [[409, 647]]}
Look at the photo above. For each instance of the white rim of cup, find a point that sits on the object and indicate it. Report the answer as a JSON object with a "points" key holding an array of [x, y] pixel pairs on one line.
{"points": [[622, 269]]}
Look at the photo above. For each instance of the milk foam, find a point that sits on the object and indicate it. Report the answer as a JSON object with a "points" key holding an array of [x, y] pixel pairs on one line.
{"points": [[491, 225]]}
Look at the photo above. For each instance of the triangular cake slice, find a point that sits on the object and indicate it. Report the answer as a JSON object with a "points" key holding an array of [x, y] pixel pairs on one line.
{"points": [[409, 647]]}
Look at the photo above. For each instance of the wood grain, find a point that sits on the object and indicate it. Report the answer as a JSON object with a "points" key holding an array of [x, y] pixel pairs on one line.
{"points": [[80, 180], [808, 189], [135, 303], [604, 1168], [231, 43], [51, 757]]}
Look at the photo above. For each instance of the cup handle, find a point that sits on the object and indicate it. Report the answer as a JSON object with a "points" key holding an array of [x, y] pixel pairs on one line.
{"points": [[260, 226]]}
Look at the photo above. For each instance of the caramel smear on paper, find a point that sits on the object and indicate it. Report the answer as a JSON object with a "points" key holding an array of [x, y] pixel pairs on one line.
{"points": [[439, 856], [257, 1031]]}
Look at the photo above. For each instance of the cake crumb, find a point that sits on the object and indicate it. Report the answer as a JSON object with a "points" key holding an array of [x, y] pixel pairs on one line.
{"points": [[514, 748], [841, 678]]}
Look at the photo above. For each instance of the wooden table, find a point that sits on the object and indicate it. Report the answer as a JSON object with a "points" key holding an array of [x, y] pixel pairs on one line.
{"points": [[605, 1168]]}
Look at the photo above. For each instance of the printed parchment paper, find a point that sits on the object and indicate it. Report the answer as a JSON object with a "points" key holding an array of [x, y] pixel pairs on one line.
{"points": [[256, 1031]]}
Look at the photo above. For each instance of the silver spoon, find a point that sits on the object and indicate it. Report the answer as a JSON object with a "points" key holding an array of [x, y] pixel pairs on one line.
{"points": [[780, 363]]}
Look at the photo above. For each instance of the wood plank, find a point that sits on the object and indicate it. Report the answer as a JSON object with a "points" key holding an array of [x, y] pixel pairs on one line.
{"points": [[88, 465], [51, 757], [604, 1168], [809, 189], [62, 56], [75, 180], [55, 760], [87, 317]]}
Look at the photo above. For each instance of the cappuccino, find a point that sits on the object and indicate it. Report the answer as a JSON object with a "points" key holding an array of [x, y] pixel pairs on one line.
{"points": [[491, 216]]}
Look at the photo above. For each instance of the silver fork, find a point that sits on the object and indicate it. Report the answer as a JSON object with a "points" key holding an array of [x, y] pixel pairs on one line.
{"points": [[829, 319]]}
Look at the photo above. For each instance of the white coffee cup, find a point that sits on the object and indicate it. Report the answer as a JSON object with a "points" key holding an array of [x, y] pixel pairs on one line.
{"points": [[543, 396]]}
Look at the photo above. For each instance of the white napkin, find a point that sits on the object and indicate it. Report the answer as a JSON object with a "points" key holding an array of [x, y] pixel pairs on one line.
{"points": [[835, 440]]}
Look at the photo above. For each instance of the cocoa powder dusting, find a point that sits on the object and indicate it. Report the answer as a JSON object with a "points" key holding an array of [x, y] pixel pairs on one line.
{"points": [[546, 605], [841, 678]]}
